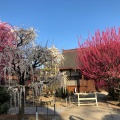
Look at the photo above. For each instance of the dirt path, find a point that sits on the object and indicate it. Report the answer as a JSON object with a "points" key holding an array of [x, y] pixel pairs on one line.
{"points": [[106, 110]]}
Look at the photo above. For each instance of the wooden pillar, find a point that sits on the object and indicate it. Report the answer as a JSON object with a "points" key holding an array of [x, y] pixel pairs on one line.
{"points": [[70, 72]]}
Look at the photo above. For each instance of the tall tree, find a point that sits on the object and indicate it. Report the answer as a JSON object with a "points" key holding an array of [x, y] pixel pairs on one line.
{"points": [[50, 72], [19, 56], [99, 56]]}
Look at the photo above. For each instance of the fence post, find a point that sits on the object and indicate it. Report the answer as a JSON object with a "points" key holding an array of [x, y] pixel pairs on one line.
{"points": [[54, 109], [36, 113], [47, 111], [66, 101], [69, 100]]}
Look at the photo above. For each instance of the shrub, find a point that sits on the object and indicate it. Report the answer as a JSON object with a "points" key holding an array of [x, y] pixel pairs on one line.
{"points": [[61, 92], [4, 100]]}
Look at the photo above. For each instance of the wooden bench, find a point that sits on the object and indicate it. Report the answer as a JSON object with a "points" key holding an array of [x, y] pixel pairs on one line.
{"points": [[87, 97]]}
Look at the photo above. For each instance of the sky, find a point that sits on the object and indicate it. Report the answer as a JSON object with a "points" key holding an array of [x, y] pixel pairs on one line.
{"points": [[61, 22]]}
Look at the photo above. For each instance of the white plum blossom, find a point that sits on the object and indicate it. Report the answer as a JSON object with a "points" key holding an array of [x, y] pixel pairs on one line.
{"points": [[21, 57]]}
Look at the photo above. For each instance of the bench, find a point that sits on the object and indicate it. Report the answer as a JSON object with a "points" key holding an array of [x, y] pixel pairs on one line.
{"points": [[87, 97]]}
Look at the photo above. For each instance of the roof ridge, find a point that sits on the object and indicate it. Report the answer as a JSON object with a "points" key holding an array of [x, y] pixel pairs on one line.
{"points": [[69, 50]]}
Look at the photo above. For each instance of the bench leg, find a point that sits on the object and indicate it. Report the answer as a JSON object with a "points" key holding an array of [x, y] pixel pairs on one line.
{"points": [[78, 100], [96, 99], [96, 102]]}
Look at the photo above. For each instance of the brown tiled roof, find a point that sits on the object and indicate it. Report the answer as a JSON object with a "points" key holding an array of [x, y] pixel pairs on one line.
{"points": [[70, 59]]}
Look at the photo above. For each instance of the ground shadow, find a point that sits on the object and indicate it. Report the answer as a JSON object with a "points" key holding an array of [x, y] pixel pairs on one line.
{"points": [[114, 115], [44, 113], [111, 117], [72, 117]]}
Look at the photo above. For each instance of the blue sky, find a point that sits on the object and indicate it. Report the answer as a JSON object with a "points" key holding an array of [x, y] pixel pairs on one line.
{"points": [[60, 21]]}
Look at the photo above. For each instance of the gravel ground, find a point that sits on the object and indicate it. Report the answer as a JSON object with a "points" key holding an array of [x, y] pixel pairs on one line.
{"points": [[106, 110]]}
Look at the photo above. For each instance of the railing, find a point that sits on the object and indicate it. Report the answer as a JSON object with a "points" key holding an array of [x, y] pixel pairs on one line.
{"points": [[87, 97]]}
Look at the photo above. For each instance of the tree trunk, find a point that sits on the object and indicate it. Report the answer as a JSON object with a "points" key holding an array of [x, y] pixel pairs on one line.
{"points": [[21, 108]]}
